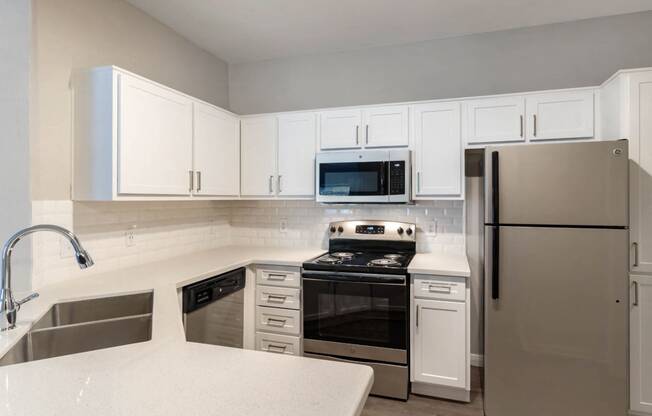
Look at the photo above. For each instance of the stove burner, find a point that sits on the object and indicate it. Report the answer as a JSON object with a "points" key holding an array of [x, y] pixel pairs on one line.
{"points": [[329, 260], [384, 262], [342, 255], [393, 256]]}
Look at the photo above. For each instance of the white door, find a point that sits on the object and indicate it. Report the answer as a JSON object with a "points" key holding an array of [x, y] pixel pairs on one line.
{"points": [[439, 343], [154, 139], [386, 126], [340, 129], [438, 149], [559, 115], [495, 120], [641, 170], [258, 161], [297, 139], [216, 152], [641, 344]]}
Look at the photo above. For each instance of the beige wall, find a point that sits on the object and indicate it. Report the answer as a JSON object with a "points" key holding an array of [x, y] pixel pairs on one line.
{"points": [[71, 34]]}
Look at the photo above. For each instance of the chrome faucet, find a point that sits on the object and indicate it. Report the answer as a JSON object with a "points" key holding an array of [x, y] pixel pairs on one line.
{"points": [[8, 305]]}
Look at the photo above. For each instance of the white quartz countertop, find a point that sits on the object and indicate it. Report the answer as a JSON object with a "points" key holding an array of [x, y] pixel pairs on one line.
{"points": [[441, 264], [167, 375]]}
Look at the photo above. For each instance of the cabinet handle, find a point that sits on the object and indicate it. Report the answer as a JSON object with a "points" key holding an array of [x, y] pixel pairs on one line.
{"points": [[274, 276], [279, 321], [357, 134], [279, 183], [417, 320], [276, 298], [534, 117], [439, 289], [278, 348], [271, 187], [635, 293], [521, 125], [635, 247], [198, 181], [418, 182], [367, 134], [191, 177]]}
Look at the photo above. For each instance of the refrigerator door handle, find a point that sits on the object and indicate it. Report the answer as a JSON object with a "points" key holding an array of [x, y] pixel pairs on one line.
{"points": [[495, 187], [495, 267]]}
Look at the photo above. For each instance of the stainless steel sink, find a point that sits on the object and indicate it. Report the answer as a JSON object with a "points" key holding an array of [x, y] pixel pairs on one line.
{"points": [[88, 325]]}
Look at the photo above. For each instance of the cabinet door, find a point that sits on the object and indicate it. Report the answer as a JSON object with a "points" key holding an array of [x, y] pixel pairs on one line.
{"points": [[641, 344], [154, 139], [438, 149], [560, 115], [340, 129], [216, 152], [386, 126], [258, 150], [439, 343], [641, 170], [296, 154], [495, 120]]}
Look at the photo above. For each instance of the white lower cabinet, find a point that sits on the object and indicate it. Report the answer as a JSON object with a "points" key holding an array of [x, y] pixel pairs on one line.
{"points": [[440, 344], [278, 310], [641, 344]]}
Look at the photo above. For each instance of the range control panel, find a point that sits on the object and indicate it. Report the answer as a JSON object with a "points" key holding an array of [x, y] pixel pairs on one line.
{"points": [[370, 229], [397, 178]]}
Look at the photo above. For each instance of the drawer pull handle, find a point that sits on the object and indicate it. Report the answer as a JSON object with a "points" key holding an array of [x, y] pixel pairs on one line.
{"points": [[439, 289], [276, 298], [274, 276], [276, 322], [276, 348]]}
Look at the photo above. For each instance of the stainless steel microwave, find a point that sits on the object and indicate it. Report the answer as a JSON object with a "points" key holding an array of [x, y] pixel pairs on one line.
{"points": [[365, 176]]}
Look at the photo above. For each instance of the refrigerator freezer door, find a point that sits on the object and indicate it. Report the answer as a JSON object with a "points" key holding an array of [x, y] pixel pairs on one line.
{"points": [[556, 336], [558, 184]]}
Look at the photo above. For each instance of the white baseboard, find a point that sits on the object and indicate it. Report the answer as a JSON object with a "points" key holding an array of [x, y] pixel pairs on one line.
{"points": [[477, 360]]}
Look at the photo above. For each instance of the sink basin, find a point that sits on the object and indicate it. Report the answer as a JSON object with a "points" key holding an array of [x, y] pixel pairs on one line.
{"points": [[88, 325]]}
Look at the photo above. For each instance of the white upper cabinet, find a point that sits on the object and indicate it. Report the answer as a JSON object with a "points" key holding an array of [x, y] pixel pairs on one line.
{"points": [[216, 152], [495, 120], [386, 126], [340, 129], [559, 115], [297, 141], [438, 150], [154, 139], [258, 156]]}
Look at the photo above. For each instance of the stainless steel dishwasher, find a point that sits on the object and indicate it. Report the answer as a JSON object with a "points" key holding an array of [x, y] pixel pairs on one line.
{"points": [[213, 310]]}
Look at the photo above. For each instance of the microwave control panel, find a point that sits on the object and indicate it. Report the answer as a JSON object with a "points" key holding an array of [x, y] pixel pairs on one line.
{"points": [[397, 178]]}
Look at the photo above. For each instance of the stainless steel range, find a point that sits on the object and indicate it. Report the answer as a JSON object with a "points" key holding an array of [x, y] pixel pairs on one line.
{"points": [[356, 305]]}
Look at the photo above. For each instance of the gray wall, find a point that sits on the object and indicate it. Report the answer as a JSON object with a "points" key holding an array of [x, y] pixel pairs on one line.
{"points": [[70, 34], [15, 201], [582, 53]]}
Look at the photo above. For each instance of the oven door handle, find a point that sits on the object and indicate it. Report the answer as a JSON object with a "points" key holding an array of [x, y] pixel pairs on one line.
{"points": [[386, 279]]}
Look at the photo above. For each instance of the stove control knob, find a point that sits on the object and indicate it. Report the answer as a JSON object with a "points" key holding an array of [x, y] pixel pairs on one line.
{"points": [[333, 229], [340, 229], [400, 230], [409, 231]]}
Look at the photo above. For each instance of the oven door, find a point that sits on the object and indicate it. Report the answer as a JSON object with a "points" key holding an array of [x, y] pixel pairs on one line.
{"points": [[355, 318], [353, 177]]}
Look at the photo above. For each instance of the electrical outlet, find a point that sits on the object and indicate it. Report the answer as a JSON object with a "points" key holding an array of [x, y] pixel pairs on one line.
{"points": [[432, 227], [283, 225], [65, 249], [130, 238]]}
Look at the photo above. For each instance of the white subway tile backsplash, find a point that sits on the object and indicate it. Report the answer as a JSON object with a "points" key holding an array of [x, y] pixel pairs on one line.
{"points": [[166, 229]]}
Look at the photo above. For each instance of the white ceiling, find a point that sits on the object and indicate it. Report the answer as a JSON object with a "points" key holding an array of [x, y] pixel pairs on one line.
{"points": [[252, 30]]}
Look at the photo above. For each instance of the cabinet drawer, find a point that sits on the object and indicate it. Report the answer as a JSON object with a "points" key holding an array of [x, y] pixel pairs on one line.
{"points": [[278, 297], [278, 277], [285, 321], [439, 287], [279, 344]]}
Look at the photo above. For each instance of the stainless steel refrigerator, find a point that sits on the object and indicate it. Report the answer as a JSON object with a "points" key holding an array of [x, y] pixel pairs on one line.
{"points": [[556, 291]]}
